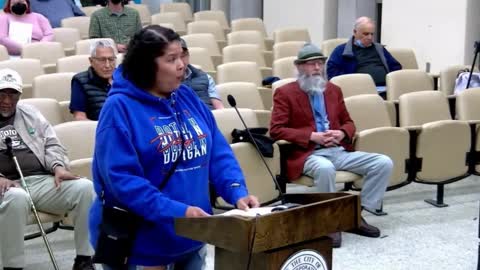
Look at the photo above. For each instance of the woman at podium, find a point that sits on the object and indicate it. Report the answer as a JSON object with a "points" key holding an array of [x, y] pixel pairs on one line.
{"points": [[157, 149]]}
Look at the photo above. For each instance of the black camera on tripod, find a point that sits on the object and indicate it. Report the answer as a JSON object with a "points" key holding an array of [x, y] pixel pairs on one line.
{"points": [[476, 52]]}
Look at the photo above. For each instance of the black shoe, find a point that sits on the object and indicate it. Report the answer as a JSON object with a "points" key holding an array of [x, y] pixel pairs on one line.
{"points": [[84, 263], [336, 239], [367, 230]]}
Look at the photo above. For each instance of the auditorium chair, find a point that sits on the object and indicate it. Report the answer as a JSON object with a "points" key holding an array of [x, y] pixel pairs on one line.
{"points": [[330, 44], [375, 133], [439, 145], [144, 12], [78, 138], [406, 81], [251, 37], [4, 53], [200, 57], [57, 86], [287, 49], [255, 24], [28, 69], [246, 96], [89, 10], [291, 34], [285, 67], [74, 63], [213, 15], [211, 27], [82, 23], [448, 76], [84, 46], [68, 37], [48, 107], [355, 84], [468, 110], [405, 56], [174, 18], [244, 72], [208, 42], [249, 53], [183, 8], [258, 180], [46, 52]]}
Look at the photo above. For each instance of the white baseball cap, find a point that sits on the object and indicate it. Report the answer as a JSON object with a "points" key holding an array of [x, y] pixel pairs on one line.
{"points": [[10, 79]]}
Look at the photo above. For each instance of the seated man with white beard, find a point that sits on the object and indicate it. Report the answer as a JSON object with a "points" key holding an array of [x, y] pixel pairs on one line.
{"points": [[311, 114]]}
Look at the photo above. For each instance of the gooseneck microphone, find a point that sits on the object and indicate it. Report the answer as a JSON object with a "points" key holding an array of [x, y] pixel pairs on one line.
{"points": [[233, 103], [8, 143]]}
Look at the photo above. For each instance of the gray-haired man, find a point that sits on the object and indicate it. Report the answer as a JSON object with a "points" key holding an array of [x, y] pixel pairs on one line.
{"points": [[90, 88], [44, 164]]}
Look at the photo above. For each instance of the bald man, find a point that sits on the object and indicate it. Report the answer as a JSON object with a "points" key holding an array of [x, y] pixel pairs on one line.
{"points": [[362, 55]]}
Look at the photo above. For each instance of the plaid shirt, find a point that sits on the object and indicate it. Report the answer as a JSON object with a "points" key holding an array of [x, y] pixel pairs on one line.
{"points": [[120, 27]]}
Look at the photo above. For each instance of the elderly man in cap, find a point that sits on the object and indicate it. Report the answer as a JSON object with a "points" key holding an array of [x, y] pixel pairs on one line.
{"points": [[44, 164], [311, 114], [202, 83]]}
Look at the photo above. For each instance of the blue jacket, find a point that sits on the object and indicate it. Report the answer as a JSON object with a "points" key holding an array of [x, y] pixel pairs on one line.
{"points": [[137, 141], [342, 60], [56, 10]]}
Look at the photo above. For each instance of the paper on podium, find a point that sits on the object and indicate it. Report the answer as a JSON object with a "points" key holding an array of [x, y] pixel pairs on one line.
{"points": [[251, 212], [20, 32]]}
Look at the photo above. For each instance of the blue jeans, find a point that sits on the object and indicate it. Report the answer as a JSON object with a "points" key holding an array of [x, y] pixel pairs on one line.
{"points": [[191, 261]]}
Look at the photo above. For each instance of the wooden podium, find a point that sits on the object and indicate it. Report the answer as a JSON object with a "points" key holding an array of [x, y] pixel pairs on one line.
{"points": [[275, 237]]}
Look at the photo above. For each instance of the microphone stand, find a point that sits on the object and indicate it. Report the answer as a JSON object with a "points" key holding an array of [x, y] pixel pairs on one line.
{"points": [[8, 142], [233, 103], [477, 51]]}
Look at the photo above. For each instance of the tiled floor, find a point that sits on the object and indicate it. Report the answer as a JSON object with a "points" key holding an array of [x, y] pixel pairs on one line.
{"points": [[415, 235]]}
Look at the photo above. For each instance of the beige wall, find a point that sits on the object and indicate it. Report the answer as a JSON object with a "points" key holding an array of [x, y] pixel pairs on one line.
{"points": [[319, 16], [435, 29]]}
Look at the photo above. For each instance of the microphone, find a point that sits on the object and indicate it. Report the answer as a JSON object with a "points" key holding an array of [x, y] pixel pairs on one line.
{"points": [[233, 103], [8, 142]]}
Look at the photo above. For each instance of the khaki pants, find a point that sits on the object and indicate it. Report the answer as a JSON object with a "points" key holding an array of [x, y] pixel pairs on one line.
{"points": [[74, 197]]}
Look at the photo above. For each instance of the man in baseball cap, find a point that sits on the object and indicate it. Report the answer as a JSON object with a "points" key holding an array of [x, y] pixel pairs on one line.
{"points": [[44, 164], [10, 91]]}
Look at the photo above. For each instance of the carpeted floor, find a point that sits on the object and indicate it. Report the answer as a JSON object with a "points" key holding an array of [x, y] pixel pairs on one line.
{"points": [[415, 235]]}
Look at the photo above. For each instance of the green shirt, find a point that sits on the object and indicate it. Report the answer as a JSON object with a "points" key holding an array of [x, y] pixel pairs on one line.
{"points": [[118, 26]]}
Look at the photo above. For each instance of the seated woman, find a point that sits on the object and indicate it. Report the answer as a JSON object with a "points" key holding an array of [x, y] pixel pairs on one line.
{"points": [[18, 26]]}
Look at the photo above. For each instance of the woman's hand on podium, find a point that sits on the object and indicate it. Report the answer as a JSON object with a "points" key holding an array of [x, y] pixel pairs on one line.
{"points": [[193, 212], [248, 202]]}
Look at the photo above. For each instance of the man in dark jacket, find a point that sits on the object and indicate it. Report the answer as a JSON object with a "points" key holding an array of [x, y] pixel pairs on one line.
{"points": [[361, 55], [90, 88], [202, 83]]}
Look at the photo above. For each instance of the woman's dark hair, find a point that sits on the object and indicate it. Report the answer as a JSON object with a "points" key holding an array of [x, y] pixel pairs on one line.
{"points": [[146, 45], [7, 8]]}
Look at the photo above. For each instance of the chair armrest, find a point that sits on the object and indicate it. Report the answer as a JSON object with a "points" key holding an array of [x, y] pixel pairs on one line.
{"points": [[263, 117], [217, 60], [267, 96], [282, 142], [266, 72], [268, 55]]}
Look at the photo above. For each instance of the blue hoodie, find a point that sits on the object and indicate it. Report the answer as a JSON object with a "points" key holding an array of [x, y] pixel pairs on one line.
{"points": [[137, 142]]}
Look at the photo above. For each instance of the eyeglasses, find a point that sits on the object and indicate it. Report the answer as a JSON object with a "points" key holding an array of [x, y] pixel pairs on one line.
{"points": [[315, 62], [103, 60], [4, 95]]}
